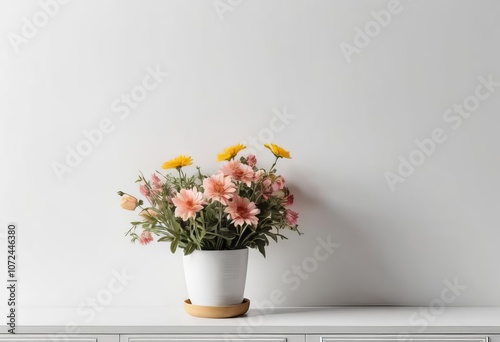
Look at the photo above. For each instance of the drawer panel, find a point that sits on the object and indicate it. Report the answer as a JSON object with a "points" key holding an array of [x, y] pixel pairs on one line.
{"points": [[397, 338], [207, 339], [210, 338], [48, 338], [57, 338]]}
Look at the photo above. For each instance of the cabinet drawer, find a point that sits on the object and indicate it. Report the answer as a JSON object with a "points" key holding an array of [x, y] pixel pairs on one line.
{"points": [[397, 338], [57, 338], [211, 338]]}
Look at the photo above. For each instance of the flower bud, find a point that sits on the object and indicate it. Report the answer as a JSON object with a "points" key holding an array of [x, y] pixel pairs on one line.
{"points": [[149, 214], [145, 238], [128, 202]]}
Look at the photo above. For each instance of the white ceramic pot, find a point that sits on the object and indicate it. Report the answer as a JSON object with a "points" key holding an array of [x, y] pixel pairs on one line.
{"points": [[216, 278]]}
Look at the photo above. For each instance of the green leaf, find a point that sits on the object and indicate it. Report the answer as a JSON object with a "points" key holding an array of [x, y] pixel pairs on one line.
{"points": [[166, 238], [173, 245], [189, 249], [261, 247]]}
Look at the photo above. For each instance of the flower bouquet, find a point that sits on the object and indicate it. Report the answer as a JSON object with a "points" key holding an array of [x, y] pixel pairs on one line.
{"points": [[240, 206]]}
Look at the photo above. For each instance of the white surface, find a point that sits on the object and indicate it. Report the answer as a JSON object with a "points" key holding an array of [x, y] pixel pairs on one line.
{"points": [[233, 79], [396, 320]]}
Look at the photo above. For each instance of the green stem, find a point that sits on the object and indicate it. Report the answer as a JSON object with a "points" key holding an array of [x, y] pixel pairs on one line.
{"points": [[180, 176], [219, 227], [192, 228], [241, 234], [247, 238], [274, 164]]}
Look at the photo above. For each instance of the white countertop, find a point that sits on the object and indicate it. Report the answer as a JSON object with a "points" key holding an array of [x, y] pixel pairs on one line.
{"points": [[316, 320]]}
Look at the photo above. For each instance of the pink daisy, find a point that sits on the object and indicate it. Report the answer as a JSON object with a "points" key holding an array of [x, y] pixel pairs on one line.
{"points": [[241, 211], [145, 238], [188, 203], [291, 217], [238, 171], [219, 188]]}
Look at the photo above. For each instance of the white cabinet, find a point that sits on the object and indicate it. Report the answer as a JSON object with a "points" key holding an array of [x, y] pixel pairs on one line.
{"points": [[247, 338]]}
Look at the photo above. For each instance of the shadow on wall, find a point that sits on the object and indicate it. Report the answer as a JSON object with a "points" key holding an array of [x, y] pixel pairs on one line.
{"points": [[353, 274]]}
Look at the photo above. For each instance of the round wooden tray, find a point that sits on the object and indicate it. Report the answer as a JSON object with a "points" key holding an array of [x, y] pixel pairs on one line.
{"points": [[217, 311]]}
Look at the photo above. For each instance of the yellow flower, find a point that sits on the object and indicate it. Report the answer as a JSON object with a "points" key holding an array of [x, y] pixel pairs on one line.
{"points": [[278, 151], [230, 152], [178, 162]]}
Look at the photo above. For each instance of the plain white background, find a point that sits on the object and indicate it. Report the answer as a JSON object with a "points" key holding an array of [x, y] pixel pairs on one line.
{"points": [[235, 68]]}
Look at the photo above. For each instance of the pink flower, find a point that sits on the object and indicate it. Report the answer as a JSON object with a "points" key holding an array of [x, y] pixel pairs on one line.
{"points": [[143, 188], [241, 211], [156, 183], [219, 187], [267, 189], [188, 203], [279, 183], [291, 217], [288, 200], [145, 238], [238, 171], [251, 160]]}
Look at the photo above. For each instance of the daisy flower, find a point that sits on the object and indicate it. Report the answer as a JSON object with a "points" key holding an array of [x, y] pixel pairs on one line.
{"points": [[241, 211], [188, 203], [238, 171], [178, 162], [219, 188]]}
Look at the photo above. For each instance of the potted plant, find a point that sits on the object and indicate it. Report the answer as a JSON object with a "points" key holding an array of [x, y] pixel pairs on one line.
{"points": [[214, 219]]}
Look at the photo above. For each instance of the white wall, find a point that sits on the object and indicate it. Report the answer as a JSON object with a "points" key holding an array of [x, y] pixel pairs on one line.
{"points": [[227, 80]]}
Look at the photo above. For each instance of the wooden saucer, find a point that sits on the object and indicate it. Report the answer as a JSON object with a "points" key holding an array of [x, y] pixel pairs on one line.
{"points": [[216, 311]]}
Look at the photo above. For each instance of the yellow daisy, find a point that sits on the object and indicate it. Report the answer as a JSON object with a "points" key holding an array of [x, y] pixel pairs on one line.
{"points": [[177, 162], [230, 152], [279, 152]]}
